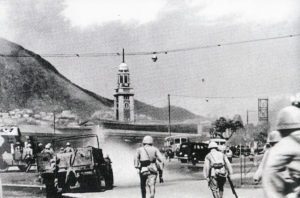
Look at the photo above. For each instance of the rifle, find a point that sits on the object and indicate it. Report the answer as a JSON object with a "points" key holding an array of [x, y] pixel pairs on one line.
{"points": [[232, 186], [229, 180]]}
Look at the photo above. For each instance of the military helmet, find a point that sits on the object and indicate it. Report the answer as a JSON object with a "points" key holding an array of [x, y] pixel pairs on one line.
{"points": [[288, 118], [274, 136], [68, 144], [29, 145], [148, 140], [40, 144], [212, 145], [48, 146]]}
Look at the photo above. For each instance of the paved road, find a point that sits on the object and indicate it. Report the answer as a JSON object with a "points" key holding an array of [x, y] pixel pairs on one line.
{"points": [[171, 189]]}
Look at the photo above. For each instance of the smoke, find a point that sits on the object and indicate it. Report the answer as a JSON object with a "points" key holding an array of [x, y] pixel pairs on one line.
{"points": [[1, 140], [122, 157]]}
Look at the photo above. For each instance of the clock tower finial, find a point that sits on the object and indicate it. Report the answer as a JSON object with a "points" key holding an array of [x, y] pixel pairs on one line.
{"points": [[124, 101]]}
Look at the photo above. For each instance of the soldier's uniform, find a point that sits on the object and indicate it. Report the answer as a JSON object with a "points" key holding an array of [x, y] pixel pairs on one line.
{"points": [[215, 170], [281, 175], [146, 162], [69, 149], [273, 138]]}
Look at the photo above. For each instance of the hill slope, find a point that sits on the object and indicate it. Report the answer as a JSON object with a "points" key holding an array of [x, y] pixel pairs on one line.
{"points": [[29, 81]]}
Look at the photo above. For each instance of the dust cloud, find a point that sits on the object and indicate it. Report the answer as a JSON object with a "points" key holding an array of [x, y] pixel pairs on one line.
{"points": [[122, 156]]}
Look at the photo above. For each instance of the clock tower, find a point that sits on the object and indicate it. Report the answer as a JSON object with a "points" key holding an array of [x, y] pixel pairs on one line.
{"points": [[123, 97]]}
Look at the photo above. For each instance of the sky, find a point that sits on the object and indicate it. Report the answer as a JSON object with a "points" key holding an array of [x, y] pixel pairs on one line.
{"points": [[266, 69]]}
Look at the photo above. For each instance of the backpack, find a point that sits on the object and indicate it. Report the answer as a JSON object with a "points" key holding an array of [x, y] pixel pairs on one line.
{"points": [[151, 167], [219, 168]]}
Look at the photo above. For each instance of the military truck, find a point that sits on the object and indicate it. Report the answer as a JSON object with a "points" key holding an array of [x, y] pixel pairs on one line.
{"points": [[84, 168]]}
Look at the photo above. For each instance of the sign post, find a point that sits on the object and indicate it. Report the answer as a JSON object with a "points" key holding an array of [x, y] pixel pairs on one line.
{"points": [[263, 109]]}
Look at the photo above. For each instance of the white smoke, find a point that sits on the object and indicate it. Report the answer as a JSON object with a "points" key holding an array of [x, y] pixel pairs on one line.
{"points": [[122, 157], [1, 140]]}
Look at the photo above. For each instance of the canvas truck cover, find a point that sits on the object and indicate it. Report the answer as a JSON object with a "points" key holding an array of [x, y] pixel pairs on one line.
{"points": [[9, 131]]}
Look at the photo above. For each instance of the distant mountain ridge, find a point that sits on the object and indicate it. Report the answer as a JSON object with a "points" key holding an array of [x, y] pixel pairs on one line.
{"points": [[29, 81]]}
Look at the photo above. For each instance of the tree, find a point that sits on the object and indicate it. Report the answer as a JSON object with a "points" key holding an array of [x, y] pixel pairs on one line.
{"points": [[221, 125]]}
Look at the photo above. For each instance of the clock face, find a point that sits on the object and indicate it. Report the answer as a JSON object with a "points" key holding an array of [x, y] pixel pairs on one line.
{"points": [[264, 103], [126, 105]]}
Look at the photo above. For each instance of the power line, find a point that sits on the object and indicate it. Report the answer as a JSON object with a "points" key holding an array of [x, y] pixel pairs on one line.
{"points": [[90, 55], [214, 97]]}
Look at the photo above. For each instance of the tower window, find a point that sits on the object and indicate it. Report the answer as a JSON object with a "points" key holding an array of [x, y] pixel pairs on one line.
{"points": [[125, 79], [121, 79]]}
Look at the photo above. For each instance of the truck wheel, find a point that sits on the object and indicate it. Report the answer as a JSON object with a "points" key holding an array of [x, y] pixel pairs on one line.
{"points": [[109, 178], [52, 191]]}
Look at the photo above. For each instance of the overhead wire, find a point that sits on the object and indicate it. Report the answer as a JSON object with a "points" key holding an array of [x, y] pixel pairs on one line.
{"points": [[79, 55]]}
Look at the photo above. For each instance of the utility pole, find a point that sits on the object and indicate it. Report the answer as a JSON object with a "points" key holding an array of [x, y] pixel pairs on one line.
{"points": [[247, 117], [54, 122], [169, 110]]}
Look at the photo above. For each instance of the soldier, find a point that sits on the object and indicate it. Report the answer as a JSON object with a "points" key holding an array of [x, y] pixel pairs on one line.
{"points": [[40, 147], [273, 138], [215, 170], [281, 173], [48, 149], [68, 148], [28, 156], [146, 164]]}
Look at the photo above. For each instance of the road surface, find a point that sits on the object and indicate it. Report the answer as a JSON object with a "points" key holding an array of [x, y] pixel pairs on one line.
{"points": [[171, 189]]}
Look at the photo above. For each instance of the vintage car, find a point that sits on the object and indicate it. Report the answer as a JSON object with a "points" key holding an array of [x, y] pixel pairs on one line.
{"points": [[84, 168], [172, 145], [193, 152]]}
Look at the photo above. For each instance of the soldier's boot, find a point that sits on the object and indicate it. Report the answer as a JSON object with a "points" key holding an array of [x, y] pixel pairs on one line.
{"points": [[221, 194], [143, 191], [152, 191]]}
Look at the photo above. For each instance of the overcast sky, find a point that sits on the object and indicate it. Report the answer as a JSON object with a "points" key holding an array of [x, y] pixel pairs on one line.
{"points": [[261, 69]]}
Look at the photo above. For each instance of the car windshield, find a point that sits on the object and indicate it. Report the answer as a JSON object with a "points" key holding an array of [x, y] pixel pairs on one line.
{"points": [[183, 140], [177, 141]]}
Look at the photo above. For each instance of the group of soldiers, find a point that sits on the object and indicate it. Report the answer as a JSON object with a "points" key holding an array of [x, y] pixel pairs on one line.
{"points": [[149, 164], [279, 169], [49, 149]]}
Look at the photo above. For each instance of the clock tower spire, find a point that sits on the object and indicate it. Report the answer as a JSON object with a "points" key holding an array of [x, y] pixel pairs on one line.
{"points": [[123, 97]]}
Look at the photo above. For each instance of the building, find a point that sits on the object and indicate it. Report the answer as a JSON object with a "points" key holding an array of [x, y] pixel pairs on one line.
{"points": [[123, 97]]}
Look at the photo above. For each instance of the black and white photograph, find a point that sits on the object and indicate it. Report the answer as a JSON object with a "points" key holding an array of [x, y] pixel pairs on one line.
{"points": [[150, 98]]}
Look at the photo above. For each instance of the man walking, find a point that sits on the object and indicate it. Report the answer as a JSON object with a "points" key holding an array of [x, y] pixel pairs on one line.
{"points": [[281, 174], [215, 170], [273, 138], [146, 163]]}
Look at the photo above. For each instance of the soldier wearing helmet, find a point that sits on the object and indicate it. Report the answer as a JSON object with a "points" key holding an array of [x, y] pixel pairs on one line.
{"points": [[68, 148], [281, 173], [28, 156], [215, 170], [40, 147], [273, 138], [48, 149], [146, 164]]}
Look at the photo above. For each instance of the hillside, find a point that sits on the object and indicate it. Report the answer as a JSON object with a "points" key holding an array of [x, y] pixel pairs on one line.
{"points": [[29, 81]]}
